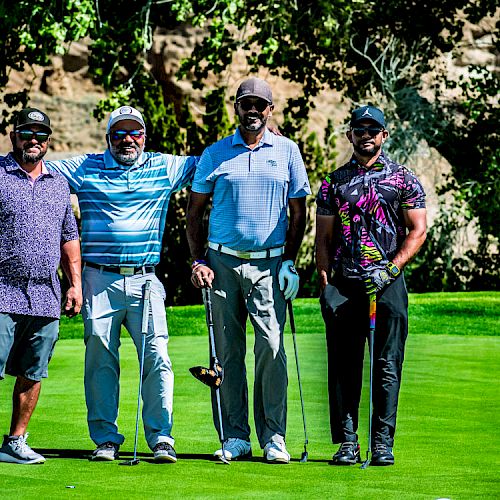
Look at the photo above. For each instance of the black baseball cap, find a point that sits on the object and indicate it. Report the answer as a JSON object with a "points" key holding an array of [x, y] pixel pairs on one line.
{"points": [[367, 113], [255, 87], [32, 116]]}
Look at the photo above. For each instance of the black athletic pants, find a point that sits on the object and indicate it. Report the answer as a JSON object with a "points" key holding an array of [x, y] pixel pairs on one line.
{"points": [[347, 331]]}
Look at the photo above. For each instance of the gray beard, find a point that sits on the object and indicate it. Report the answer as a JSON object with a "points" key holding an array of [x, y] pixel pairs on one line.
{"points": [[28, 157], [126, 159]]}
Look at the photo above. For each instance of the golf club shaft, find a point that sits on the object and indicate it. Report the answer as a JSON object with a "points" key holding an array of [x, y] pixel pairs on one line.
{"points": [[371, 341], [208, 306], [292, 327], [144, 331]]}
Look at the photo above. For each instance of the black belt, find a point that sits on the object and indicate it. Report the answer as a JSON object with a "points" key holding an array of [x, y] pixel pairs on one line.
{"points": [[123, 270]]}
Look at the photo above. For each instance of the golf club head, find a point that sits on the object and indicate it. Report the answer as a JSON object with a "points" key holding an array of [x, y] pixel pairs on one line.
{"points": [[365, 464], [304, 456], [209, 376], [134, 461]]}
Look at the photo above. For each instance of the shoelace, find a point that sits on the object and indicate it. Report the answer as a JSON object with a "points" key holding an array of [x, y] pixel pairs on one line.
{"points": [[380, 447], [347, 447], [20, 444]]}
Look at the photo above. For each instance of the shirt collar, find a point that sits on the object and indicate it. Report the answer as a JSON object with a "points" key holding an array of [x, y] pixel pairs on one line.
{"points": [[11, 165], [378, 166], [267, 138], [111, 164]]}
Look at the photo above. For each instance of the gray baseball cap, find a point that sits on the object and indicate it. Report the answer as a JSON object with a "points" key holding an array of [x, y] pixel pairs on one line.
{"points": [[255, 87], [125, 113]]}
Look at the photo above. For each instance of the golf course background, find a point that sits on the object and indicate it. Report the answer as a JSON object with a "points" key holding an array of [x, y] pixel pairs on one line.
{"points": [[447, 440]]}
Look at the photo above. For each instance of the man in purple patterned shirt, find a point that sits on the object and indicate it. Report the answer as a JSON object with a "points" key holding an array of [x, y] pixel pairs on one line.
{"points": [[370, 221], [37, 231]]}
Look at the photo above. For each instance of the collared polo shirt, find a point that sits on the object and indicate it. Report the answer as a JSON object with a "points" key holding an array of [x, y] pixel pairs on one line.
{"points": [[369, 204], [124, 208], [36, 218], [251, 189]]}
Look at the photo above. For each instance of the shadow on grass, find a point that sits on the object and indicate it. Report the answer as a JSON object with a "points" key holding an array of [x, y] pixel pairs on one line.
{"points": [[148, 457]]}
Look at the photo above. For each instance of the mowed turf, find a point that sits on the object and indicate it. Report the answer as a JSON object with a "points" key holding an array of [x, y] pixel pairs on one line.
{"points": [[447, 441]]}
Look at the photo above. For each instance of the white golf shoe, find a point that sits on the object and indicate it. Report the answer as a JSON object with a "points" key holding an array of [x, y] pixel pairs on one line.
{"points": [[235, 448], [105, 452], [276, 453], [16, 451]]}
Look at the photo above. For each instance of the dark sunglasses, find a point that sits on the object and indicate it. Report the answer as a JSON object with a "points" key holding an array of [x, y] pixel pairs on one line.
{"points": [[247, 104], [121, 134], [372, 131], [28, 135]]}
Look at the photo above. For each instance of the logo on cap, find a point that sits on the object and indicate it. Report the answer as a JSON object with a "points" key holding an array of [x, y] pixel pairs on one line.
{"points": [[126, 110], [367, 113], [35, 115]]}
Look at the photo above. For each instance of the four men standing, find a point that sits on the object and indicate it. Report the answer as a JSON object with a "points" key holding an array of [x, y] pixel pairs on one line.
{"points": [[370, 223]]}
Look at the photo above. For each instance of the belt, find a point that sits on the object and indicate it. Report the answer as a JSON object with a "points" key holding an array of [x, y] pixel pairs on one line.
{"points": [[259, 254], [123, 270]]}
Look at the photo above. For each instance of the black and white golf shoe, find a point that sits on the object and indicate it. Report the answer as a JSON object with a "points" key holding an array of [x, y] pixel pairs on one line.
{"points": [[348, 454], [382, 455]]}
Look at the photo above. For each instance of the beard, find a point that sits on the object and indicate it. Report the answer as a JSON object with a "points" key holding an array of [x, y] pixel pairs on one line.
{"points": [[26, 157], [124, 157], [253, 122], [367, 152]]}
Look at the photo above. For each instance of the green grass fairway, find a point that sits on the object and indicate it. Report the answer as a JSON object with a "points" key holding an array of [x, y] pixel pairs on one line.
{"points": [[447, 441]]}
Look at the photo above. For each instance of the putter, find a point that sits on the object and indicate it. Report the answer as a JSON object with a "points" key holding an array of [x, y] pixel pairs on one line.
{"points": [[371, 341], [144, 331], [212, 377], [304, 455]]}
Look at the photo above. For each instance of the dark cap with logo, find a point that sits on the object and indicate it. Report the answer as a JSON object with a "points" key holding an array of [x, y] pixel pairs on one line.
{"points": [[367, 113], [255, 87], [32, 116]]}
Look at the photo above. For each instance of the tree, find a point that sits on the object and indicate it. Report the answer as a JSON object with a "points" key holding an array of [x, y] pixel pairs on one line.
{"points": [[370, 51]]}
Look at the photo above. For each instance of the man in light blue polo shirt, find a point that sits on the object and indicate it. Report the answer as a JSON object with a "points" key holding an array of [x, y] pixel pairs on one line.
{"points": [[254, 177], [123, 196]]}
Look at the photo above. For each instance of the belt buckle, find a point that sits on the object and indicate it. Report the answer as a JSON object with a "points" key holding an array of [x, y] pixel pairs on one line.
{"points": [[244, 255], [127, 271]]}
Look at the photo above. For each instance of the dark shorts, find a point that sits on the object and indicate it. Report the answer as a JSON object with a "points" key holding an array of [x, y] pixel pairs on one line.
{"points": [[26, 345]]}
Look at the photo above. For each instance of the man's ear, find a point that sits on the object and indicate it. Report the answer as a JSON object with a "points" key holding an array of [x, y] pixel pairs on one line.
{"points": [[348, 134]]}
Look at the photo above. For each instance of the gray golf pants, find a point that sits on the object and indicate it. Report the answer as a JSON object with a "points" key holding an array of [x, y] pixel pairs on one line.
{"points": [[111, 300], [241, 289]]}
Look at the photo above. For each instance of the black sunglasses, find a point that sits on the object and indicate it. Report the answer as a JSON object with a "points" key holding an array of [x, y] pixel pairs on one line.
{"points": [[259, 104], [372, 131], [121, 134], [28, 135]]}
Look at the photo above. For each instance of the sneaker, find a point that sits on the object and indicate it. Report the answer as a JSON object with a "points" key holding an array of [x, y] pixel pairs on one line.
{"points": [[105, 452], [348, 454], [16, 451], [164, 452], [235, 448], [275, 452], [382, 455]]}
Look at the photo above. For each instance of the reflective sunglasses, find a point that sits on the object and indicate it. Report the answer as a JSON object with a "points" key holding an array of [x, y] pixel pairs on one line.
{"points": [[28, 135], [259, 104], [119, 135], [372, 131]]}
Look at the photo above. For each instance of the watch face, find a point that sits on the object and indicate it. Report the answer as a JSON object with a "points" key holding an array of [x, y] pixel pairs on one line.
{"points": [[393, 269]]}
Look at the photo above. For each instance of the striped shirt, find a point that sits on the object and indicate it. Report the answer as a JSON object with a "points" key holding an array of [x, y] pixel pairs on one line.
{"points": [[124, 208], [251, 189]]}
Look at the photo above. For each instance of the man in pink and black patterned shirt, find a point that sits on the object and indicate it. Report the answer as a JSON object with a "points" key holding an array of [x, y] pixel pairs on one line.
{"points": [[370, 222]]}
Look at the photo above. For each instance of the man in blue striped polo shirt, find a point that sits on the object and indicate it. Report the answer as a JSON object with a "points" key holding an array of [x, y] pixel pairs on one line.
{"points": [[253, 177], [123, 195]]}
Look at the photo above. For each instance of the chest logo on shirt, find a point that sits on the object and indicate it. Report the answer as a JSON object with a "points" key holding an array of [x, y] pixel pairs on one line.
{"points": [[272, 163]]}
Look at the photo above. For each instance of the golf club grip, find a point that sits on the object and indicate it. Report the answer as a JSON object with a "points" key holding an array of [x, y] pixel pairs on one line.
{"points": [[145, 307], [291, 316]]}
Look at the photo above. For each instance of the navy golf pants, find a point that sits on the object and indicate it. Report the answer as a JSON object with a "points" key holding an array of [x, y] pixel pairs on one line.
{"points": [[347, 330]]}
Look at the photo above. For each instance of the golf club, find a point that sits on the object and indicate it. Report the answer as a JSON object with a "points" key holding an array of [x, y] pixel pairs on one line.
{"points": [[304, 455], [144, 331], [371, 340], [213, 378]]}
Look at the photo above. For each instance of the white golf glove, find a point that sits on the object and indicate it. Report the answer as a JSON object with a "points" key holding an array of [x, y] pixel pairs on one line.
{"points": [[289, 275]]}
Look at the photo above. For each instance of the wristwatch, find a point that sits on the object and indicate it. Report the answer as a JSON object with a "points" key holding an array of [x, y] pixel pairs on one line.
{"points": [[393, 269]]}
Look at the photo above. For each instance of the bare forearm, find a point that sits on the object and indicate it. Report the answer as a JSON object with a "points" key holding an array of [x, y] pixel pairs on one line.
{"points": [[324, 238], [71, 262], [411, 245], [195, 227], [296, 228]]}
